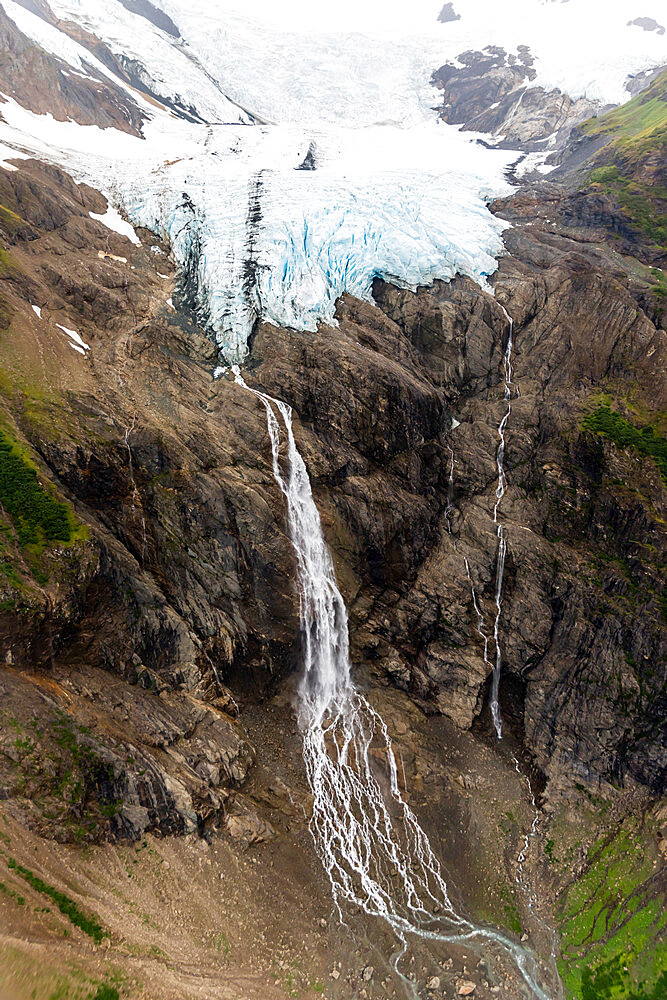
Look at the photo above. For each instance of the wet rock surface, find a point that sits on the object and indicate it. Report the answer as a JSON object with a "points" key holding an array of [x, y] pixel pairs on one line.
{"points": [[183, 582], [576, 512], [147, 662], [489, 91]]}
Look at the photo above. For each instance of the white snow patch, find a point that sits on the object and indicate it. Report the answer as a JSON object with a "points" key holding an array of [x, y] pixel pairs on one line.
{"points": [[584, 47], [37, 311], [113, 220], [60, 45], [76, 347], [395, 193], [219, 371], [6, 153], [73, 335], [533, 162], [170, 304], [103, 255], [169, 68]]}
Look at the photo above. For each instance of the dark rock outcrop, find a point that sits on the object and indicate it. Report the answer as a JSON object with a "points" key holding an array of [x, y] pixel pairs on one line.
{"points": [[448, 14], [41, 83], [153, 14], [490, 93], [181, 584]]}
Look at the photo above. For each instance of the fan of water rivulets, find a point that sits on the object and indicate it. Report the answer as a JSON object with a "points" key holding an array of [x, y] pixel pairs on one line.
{"points": [[376, 855]]}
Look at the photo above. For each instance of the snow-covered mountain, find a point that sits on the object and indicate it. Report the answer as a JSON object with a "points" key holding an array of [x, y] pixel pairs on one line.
{"points": [[290, 153]]}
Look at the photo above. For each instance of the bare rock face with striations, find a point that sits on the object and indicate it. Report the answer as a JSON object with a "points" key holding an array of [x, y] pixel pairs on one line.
{"points": [[489, 91], [180, 579], [38, 80], [149, 617]]}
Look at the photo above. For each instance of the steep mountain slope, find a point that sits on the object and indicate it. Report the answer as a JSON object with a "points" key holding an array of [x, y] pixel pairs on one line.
{"points": [[154, 796]]}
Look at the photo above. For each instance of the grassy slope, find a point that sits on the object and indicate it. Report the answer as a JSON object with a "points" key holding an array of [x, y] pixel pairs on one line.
{"points": [[631, 165], [612, 919], [645, 440], [33, 519]]}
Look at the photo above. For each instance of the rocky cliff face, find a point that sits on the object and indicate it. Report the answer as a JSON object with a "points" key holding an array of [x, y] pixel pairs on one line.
{"points": [[376, 414], [489, 91], [150, 638], [37, 80], [184, 580], [167, 580]]}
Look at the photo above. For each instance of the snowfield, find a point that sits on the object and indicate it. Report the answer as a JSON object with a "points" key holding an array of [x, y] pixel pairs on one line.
{"points": [[274, 87]]}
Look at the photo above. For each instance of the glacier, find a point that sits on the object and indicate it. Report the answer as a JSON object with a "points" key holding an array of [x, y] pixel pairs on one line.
{"points": [[308, 158], [273, 242]]}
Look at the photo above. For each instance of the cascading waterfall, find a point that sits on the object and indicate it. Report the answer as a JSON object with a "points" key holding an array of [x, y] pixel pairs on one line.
{"points": [[450, 495], [375, 853], [500, 531]]}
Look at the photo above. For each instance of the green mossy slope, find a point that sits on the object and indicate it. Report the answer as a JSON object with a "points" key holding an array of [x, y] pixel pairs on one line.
{"points": [[646, 440], [613, 920], [632, 164]]}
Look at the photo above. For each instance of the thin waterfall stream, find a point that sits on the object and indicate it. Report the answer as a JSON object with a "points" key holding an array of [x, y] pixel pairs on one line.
{"points": [[500, 530], [377, 856], [501, 488]]}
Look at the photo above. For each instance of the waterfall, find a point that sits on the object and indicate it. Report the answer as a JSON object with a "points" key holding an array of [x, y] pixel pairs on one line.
{"points": [[136, 496], [449, 509], [500, 531], [373, 849]]}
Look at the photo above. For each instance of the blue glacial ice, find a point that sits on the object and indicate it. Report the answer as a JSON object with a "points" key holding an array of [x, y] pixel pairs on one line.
{"points": [[394, 192], [281, 244]]}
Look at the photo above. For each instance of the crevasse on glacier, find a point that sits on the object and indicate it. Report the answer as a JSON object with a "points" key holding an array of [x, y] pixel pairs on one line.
{"points": [[394, 193], [283, 245]]}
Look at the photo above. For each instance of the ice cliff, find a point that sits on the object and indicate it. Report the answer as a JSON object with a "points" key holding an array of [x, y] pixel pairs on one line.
{"points": [[301, 157]]}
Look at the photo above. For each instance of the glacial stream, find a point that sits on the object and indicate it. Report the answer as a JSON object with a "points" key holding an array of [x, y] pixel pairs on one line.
{"points": [[377, 857]]}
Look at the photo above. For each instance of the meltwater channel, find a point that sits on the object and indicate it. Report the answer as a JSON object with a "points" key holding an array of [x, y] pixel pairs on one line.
{"points": [[376, 855]]}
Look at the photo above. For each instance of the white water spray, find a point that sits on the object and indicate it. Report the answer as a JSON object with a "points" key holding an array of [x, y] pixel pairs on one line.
{"points": [[500, 531], [375, 853]]}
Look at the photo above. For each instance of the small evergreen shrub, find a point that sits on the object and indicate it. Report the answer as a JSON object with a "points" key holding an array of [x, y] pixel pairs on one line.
{"points": [[67, 906], [612, 425], [37, 515]]}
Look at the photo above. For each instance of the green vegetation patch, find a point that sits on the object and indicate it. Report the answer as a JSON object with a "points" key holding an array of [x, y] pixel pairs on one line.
{"points": [[6, 891], [67, 906], [57, 765], [612, 922], [26, 973], [106, 992], [610, 980], [6, 262], [38, 517], [10, 221], [646, 440], [638, 201], [642, 118], [659, 285], [638, 136]]}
